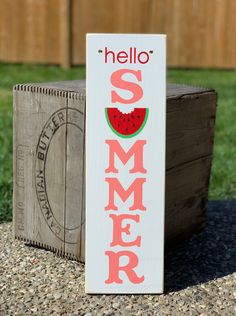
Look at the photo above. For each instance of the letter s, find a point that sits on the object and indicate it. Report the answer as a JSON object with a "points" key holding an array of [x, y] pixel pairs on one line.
{"points": [[118, 82]]}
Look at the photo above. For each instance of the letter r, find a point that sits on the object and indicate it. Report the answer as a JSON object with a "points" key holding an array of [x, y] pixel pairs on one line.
{"points": [[115, 268]]}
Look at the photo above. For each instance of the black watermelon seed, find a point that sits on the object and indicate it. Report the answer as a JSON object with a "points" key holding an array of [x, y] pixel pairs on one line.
{"points": [[114, 116], [120, 116], [133, 125], [138, 116], [132, 116], [128, 120], [126, 129]]}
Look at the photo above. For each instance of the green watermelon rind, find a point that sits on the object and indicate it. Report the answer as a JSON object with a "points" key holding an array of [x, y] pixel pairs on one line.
{"points": [[131, 135]]}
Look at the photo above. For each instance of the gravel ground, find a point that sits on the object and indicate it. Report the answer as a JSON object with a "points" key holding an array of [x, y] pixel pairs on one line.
{"points": [[200, 277]]}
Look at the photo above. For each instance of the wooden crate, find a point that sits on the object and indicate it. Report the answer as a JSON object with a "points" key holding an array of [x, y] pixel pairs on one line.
{"points": [[49, 125]]}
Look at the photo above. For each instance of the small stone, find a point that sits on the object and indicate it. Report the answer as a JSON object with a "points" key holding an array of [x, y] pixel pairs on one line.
{"points": [[28, 299], [50, 296], [116, 305], [45, 301], [128, 307], [71, 275], [31, 290], [57, 296], [23, 291], [145, 306]]}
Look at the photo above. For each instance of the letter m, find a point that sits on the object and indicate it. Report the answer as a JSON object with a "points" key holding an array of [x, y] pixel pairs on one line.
{"points": [[136, 150], [136, 188]]}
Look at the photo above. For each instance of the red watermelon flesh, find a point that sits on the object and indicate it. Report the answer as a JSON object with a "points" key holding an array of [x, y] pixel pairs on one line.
{"points": [[126, 124]]}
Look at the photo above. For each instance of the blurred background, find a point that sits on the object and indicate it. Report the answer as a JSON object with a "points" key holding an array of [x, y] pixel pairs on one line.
{"points": [[44, 40], [200, 33]]}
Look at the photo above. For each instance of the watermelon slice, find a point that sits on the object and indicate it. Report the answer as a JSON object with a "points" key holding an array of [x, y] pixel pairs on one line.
{"points": [[126, 124]]}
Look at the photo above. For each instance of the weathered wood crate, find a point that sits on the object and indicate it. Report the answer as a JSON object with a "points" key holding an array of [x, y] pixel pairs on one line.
{"points": [[49, 160]]}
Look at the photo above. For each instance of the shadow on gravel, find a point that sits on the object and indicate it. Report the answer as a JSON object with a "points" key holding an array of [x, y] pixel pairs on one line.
{"points": [[208, 255]]}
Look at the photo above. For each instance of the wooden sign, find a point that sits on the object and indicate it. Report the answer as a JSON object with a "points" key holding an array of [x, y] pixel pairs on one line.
{"points": [[125, 163]]}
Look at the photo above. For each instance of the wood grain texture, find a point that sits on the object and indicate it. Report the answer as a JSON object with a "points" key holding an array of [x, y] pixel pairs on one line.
{"points": [[48, 167], [31, 112], [65, 33], [190, 132], [29, 31], [200, 33], [186, 197], [105, 16], [190, 128], [75, 186]]}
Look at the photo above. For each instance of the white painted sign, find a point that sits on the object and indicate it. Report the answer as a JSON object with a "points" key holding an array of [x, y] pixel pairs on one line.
{"points": [[125, 163]]}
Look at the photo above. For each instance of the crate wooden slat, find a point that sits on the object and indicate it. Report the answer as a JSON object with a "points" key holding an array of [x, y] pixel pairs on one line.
{"points": [[49, 153]]}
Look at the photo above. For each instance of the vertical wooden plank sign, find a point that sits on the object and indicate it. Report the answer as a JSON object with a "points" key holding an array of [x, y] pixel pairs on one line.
{"points": [[125, 163]]}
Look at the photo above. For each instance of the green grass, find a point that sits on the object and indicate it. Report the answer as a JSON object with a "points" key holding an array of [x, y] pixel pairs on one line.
{"points": [[223, 178]]}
